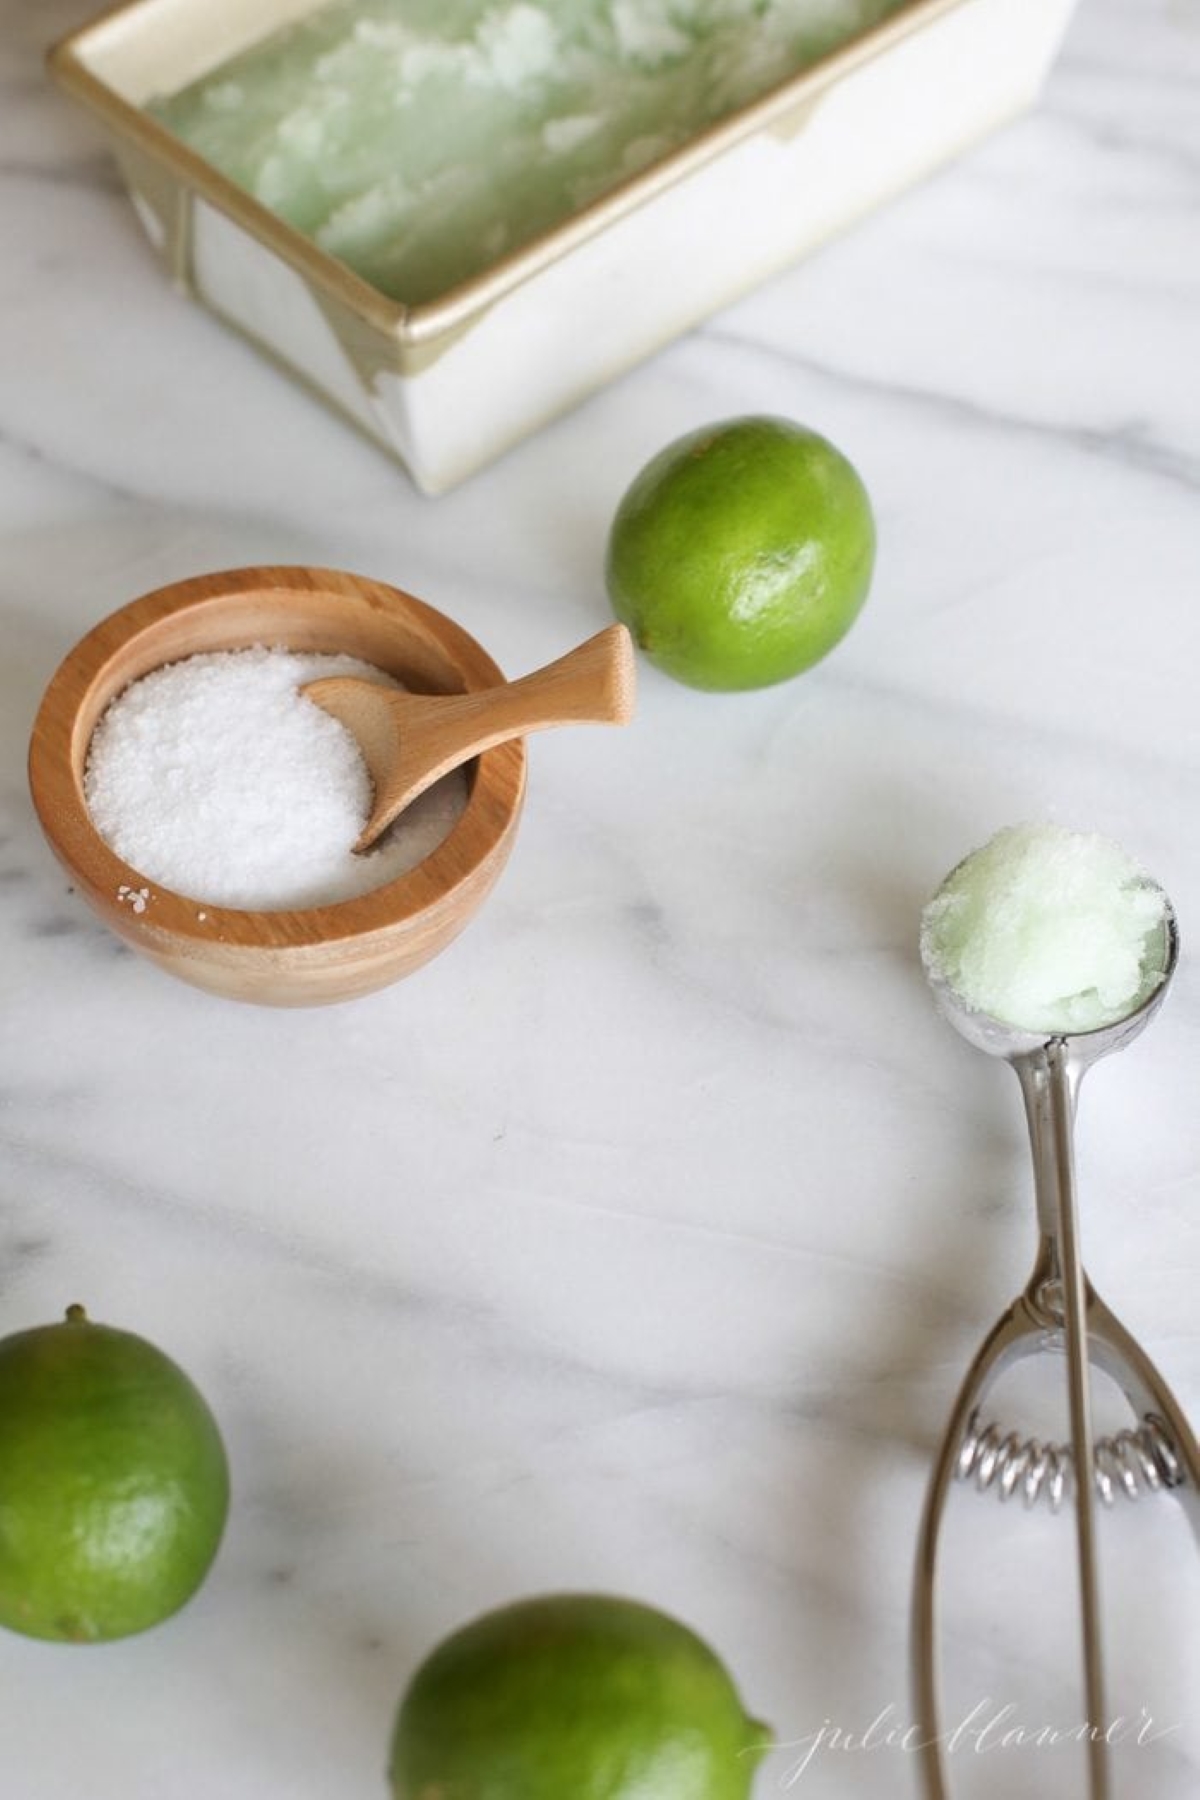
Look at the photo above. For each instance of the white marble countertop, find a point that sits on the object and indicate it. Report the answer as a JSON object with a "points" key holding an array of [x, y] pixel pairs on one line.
{"points": [[637, 1243]]}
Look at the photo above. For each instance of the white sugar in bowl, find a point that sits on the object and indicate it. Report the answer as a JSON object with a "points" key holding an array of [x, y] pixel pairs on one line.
{"points": [[283, 957]]}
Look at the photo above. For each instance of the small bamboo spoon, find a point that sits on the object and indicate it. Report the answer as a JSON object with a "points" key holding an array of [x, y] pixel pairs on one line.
{"points": [[409, 741]]}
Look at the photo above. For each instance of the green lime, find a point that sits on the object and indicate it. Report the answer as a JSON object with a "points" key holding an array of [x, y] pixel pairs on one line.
{"points": [[579, 1695], [113, 1483], [742, 553]]}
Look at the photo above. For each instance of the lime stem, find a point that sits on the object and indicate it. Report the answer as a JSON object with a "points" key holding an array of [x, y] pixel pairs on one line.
{"points": [[760, 1738], [76, 1314]]}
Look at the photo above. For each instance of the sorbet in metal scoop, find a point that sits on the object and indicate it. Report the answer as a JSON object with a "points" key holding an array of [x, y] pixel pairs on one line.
{"points": [[1048, 930]]}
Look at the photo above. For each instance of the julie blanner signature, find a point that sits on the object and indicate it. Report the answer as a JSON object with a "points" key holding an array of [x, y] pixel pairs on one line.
{"points": [[987, 1729]]}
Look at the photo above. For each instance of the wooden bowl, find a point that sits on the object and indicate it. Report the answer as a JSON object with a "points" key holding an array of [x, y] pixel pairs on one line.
{"points": [[318, 954]]}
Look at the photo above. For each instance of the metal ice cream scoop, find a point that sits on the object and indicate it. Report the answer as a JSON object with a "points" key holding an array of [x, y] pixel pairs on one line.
{"points": [[1059, 1309]]}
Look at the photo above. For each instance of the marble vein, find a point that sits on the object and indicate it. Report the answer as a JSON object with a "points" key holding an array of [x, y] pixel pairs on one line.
{"points": [[1126, 441]]}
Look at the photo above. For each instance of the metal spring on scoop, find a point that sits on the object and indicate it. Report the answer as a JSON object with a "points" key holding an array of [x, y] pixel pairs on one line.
{"points": [[1129, 1462]]}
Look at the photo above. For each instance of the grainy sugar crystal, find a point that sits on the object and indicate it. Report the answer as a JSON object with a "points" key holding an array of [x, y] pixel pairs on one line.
{"points": [[216, 777], [1047, 930]]}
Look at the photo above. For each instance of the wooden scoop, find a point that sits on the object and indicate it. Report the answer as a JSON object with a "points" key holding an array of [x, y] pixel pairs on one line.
{"points": [[409, 741]]}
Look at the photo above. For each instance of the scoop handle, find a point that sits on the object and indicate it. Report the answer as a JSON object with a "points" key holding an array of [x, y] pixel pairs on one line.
{"points": [[409, 741], [591, 684], [1049, 1082]]}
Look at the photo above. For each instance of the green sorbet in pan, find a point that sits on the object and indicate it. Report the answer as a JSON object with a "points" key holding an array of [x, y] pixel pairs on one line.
{"points": [[421, 140]]}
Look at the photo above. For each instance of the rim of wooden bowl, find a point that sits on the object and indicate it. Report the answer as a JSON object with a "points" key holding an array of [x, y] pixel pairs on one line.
{"points": [[302, 608]]}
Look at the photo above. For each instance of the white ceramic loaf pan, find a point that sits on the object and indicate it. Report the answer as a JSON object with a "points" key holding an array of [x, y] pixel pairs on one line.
{"points": [[450, 383]]}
